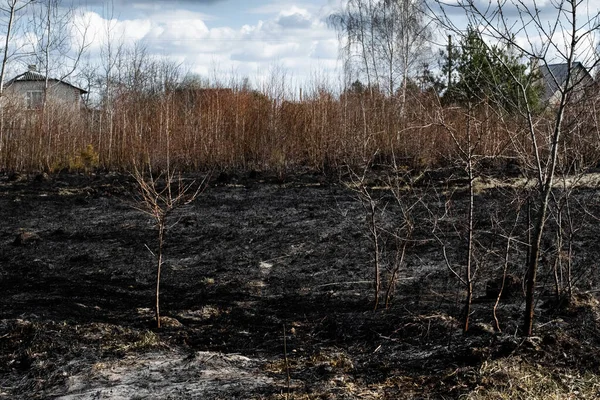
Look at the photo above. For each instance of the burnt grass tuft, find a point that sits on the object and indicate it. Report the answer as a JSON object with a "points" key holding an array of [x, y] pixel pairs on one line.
{"points": [[254, 256]]}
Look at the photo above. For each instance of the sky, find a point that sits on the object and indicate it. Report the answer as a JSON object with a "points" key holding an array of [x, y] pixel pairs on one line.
{"points": [[244, 38], [254, 39]]}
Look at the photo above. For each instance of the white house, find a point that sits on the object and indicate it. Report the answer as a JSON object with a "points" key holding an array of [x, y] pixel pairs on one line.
{"points": [[30, 88]]}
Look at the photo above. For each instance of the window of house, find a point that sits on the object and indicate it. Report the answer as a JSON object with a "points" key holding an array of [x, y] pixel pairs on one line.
{"points": [[35, 99]]}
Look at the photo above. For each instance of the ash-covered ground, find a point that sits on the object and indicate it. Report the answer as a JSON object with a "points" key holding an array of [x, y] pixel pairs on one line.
{"points": [[267, 293]]}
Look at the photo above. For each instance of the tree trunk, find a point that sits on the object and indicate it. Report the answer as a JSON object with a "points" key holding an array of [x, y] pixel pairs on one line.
{"points": [[161, 231], [468, 272]]}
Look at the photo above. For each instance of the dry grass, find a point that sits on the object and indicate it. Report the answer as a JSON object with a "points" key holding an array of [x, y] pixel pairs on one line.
{"points": [[512, 379]]}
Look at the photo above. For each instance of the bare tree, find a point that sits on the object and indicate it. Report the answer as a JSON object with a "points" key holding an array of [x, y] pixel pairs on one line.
{"points": [[110, 53], [390, 234], [355, 26], [160, 196], [60, 39], [383, 40], [510, 237], [12, 10], [564, 32], [467, 144]]}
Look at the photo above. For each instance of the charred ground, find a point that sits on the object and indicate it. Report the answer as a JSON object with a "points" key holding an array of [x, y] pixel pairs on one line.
{"points": [[256, 256]]}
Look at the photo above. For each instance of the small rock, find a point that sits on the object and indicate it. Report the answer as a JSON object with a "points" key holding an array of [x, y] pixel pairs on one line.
{"points": [[25, 238], [533, 343], [169, 322], [479, 328]]}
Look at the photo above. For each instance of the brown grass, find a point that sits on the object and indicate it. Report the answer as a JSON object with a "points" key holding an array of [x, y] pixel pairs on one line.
{"points": [[512, 379]]}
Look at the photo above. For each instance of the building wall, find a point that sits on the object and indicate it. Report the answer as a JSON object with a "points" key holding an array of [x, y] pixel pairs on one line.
{"points": [[57, 92]]}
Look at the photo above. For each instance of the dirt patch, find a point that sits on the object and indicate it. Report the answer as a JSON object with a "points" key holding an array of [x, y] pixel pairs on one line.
{"points": [[169, 375]]}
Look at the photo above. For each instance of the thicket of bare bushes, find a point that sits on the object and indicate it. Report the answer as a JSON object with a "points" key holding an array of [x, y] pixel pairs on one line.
{"points": [[246, 129]]}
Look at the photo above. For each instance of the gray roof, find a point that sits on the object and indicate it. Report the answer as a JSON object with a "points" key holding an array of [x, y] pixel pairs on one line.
{"points": [[29, 76], [554, 76], [36, 76]]}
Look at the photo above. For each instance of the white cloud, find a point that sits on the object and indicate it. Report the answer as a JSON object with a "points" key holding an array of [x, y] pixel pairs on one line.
{"points": [[271, 8], [128, 30], [294, 21], [260, 51], [291, 35], [295, 18], [325, 49]]}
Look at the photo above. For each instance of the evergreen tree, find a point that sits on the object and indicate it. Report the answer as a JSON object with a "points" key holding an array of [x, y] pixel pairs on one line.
{"points": [[481, 73]]}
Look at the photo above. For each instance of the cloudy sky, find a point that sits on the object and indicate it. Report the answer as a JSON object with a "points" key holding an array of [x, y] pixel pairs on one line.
{"points": [[248, 38], [243, 38]]}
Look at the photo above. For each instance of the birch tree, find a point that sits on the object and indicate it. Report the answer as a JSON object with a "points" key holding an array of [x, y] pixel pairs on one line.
{"points": [[12, 13], [383, 41]]}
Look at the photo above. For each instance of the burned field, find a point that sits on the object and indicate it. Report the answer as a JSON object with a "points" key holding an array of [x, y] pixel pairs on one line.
{"points": [[267, 293]]}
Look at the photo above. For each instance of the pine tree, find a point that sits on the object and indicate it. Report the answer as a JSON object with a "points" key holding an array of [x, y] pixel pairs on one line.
{"points": [[483, 73]]}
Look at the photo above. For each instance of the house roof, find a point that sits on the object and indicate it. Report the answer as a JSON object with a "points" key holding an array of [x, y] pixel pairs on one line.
{"points": [[554, 76], [36, 76]]}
